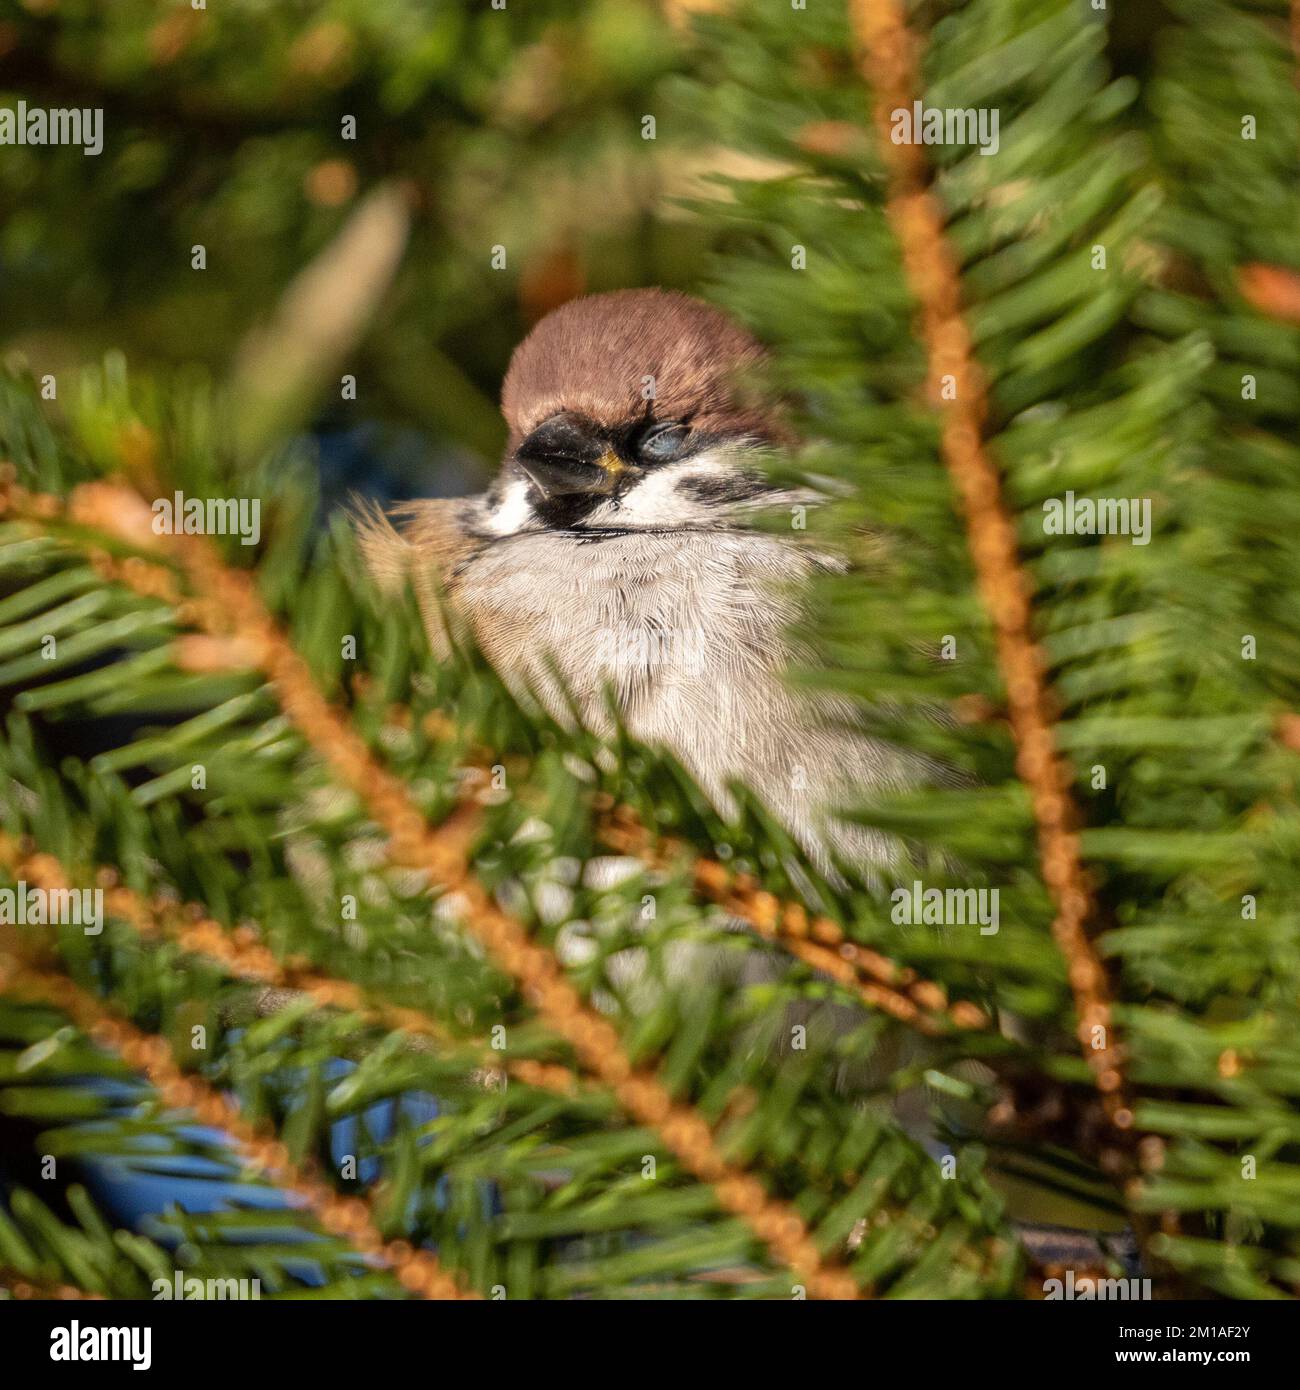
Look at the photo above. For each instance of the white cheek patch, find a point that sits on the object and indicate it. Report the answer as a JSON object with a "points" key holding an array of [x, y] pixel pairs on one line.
{"points": [[513, 513], [657, 500]]}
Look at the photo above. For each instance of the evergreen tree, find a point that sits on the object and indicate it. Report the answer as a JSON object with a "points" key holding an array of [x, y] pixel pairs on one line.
{"points": [[377, 937]]}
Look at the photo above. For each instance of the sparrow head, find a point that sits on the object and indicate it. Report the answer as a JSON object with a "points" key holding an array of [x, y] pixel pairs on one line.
{"points": [[627, 411]]}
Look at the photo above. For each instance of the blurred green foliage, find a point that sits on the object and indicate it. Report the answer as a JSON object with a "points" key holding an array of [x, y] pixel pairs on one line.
{"points": [[1164, 370], [518, 128]]}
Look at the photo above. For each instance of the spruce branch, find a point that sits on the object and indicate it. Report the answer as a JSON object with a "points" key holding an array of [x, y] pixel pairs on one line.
{"points": [[221, 622], [229, 602], [349, 1217], [243, 957], [226, 605], [819, 940], [888, 55]]}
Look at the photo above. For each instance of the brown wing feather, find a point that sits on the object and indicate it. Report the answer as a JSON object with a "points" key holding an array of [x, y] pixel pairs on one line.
{"points": [[424, 548]]}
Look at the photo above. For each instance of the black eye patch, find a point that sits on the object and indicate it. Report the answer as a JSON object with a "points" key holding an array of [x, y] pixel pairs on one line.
{"points": [[662, 443], [737, 487]]}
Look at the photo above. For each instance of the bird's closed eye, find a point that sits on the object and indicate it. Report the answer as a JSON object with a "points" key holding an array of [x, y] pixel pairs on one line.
{"points": [[662, 443]]}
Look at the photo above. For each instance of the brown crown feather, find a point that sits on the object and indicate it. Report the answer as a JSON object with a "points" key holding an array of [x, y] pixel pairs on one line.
{"points": [[592, 356]]}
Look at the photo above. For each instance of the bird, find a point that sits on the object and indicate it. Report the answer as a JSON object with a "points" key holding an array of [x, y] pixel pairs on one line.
{"points": [[613, 571]]}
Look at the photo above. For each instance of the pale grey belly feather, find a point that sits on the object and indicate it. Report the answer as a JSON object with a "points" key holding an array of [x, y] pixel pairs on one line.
{"points": [[689, 631]]}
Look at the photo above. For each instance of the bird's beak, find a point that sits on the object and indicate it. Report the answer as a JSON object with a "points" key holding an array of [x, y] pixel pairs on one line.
{"points": [[562, 477], [564, 459]]}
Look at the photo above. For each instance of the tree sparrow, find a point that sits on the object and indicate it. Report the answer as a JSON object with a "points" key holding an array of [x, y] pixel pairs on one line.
{"points": [[615, 556]]}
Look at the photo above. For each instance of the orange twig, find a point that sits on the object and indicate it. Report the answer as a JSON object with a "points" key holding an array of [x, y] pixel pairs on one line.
{"points": [[243, 956], [873, 976], [821, 942], [30, 1288], [230, 603], [347, 1217], [888, 57]]}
